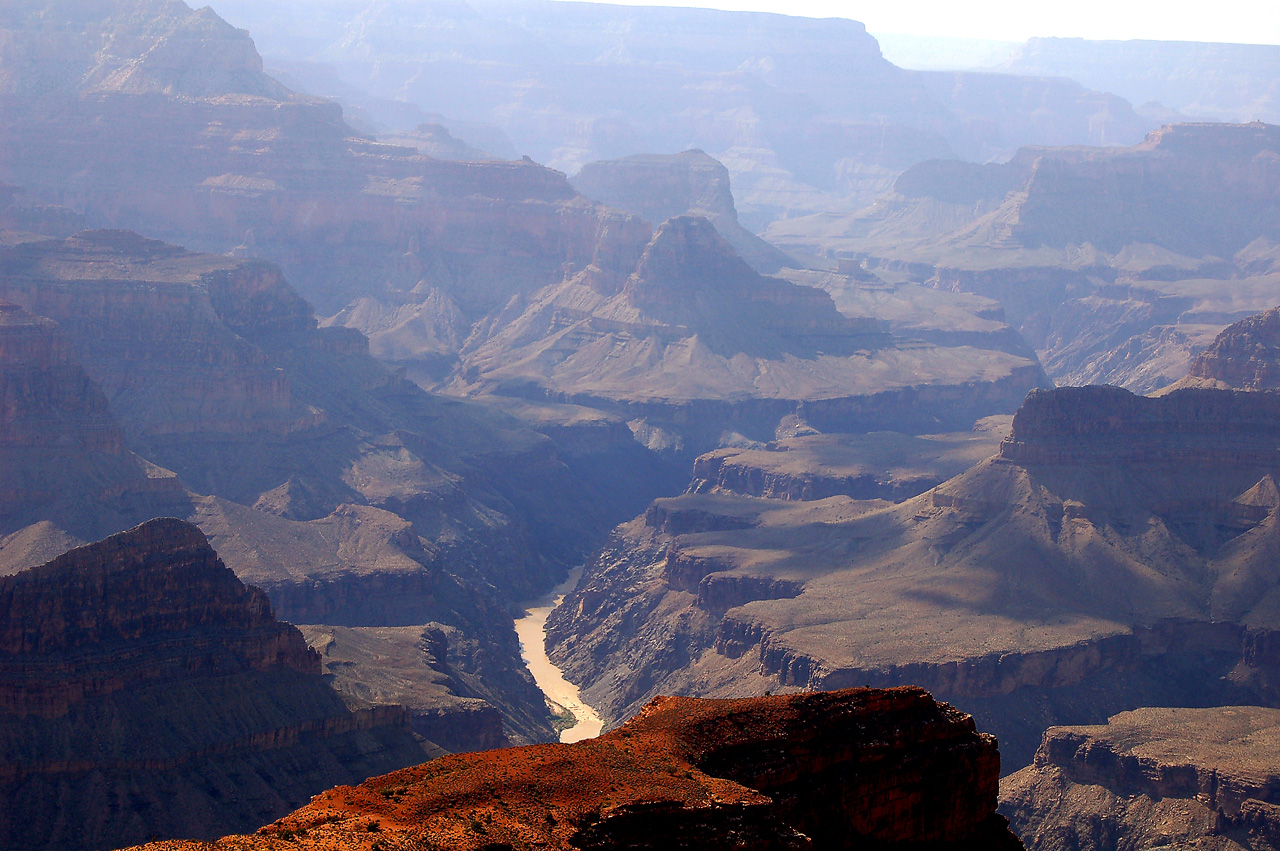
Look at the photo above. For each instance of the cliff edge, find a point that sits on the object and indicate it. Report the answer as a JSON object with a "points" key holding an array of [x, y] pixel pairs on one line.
{"points": [[855, 768]]}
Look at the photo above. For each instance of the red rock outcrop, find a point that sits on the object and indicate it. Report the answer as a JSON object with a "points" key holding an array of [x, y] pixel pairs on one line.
{"points": [[852, 769], [140, 670]]}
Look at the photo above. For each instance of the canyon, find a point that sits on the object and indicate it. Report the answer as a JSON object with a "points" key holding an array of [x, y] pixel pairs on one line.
{"points": [[1114, 553], [806, 114], [351, 496], [402, 380]]}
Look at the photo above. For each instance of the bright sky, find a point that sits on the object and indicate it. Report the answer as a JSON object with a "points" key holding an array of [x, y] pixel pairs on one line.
{"points": [[1247, 21]]}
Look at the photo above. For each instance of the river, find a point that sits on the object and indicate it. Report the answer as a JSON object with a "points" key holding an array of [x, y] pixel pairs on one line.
{"points": [[532, 630]]}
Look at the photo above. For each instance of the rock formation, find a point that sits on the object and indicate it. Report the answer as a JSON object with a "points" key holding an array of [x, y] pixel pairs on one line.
{"points": [[659, 187], [1222, 82], [805, 465], [147, 691], [843, 770], [695, 343], [1109, 261], [1176, 778], [62, 454], [1245, 356], [453, 268], [1119, 551], [413, 667]]}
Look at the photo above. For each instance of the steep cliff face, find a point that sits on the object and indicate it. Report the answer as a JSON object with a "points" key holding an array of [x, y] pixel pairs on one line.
{"points": [[840, 770], [169, 335], [160, 584], [147, 691], [1119, 551], [1179, 778], [56, 428]]}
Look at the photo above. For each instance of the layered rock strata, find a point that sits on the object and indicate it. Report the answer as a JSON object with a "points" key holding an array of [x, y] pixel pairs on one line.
{"points": [[805, 465], [62, 453], [443, 692], [1245, 356], [144, 691], [695, 343], [1176, 778], [1109, 261], [1119, 551], [842, 770]]}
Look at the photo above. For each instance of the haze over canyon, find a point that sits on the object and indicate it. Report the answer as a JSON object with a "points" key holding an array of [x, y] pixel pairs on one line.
{"points": [[880, 455]]}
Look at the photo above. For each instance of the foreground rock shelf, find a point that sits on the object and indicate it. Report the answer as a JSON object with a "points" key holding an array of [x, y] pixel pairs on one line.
{"points": [[860, 768]]}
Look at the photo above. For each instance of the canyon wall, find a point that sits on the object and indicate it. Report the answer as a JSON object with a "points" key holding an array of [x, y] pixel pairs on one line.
{"points": [[1152, 777], [1118, 551], [147, 691]]}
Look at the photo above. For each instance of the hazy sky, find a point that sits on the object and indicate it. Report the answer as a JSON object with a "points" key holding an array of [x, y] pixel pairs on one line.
{"points": [[1249, 21]]}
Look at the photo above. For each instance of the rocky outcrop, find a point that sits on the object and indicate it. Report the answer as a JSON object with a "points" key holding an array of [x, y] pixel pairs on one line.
{"points": [[659, 187], [145, 690], [1177, 778], [1117, 552], [1245, 356], [1095, 423], [839, 770], [160, 583]]}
